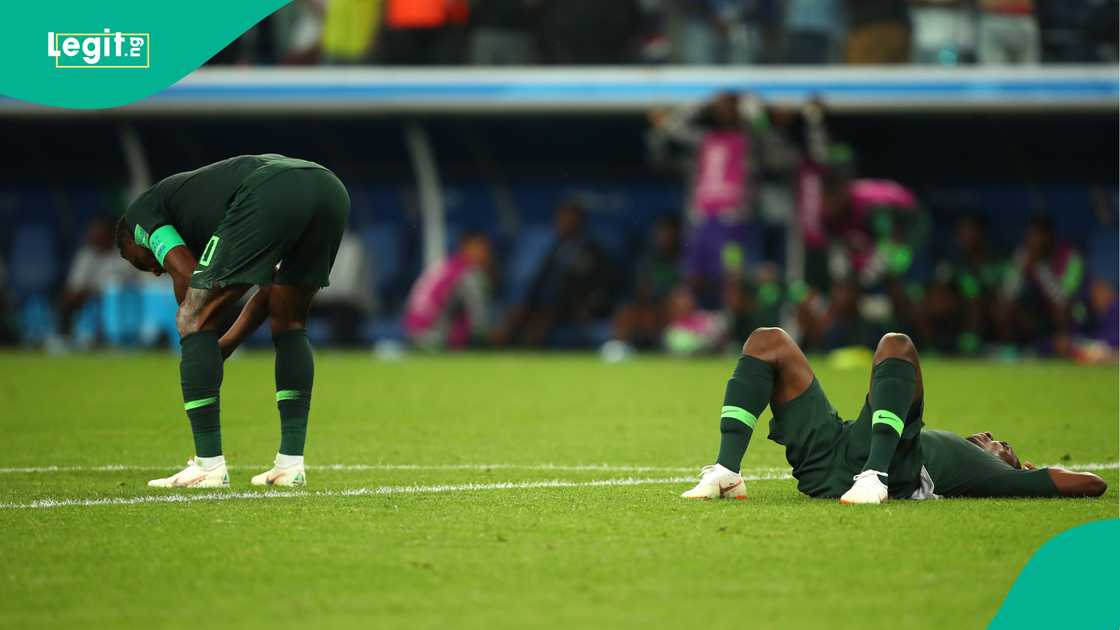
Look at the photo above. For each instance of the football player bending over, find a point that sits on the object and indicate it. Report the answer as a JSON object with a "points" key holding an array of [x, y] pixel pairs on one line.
{"points": [[264, 220]]}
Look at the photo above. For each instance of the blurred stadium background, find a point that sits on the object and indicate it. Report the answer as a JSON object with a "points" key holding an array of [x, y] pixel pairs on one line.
{"points": [[625, 175]]}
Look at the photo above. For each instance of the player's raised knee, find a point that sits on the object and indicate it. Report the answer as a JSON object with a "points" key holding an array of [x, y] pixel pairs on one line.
{"points": [[764, 342], [896, 345]]}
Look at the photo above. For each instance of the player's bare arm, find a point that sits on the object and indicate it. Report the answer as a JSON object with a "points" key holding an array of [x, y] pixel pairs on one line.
{"points": [[200, 307], [1077, 484], [252, 316], [1068, 482], [180, 264]]}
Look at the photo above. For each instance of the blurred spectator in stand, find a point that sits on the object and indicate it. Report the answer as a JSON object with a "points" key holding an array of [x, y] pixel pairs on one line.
{"points": [[295, 32], [423, 32], [878, 32], [876, 228], [754, 303], [715, 145], [838, 321], [1098, 334], [588, 32], [944, 32], [1044, 279], [692, 330], [96, 266], [710, 32], [449, 305], [500, 33], [957, 314], [810, 27], [1104, 240], [807, 259], [641, 322], [1099, 337], [655, 30], [763, 26], [572, 285], [349, 300], [1008, 32], [779, 158], [350, 29]]}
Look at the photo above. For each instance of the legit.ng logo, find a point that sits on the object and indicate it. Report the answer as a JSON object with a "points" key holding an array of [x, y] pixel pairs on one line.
{"points": [[105, 50]]}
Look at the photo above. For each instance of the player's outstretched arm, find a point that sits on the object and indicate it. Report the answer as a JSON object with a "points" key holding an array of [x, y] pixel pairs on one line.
{"points": [[252, 316], [180, 263], [1076, 484]]}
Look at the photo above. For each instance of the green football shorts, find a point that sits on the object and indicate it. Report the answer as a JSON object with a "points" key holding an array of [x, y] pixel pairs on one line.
{"points": [[827, 452], [293, 218]]}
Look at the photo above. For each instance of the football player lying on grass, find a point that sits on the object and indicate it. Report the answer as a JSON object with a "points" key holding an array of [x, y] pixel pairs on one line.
{"points": [[241, 217], [886, 452]]}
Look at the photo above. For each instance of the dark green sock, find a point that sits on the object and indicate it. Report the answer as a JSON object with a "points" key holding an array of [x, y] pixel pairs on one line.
{"points": [[893, 384], [295, 371], [747, 394], [200, 373]]}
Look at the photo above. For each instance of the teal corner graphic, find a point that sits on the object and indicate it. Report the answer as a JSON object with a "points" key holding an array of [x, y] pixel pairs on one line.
{"points": [[85, 55], [1070, 582]]}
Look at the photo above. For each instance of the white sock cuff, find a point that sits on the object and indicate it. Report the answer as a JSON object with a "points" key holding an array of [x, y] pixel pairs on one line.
{"points": [[288, 461], [209, 463]]}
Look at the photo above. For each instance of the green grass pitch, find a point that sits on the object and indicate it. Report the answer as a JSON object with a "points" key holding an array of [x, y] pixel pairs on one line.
{"points": [[400, 539]]}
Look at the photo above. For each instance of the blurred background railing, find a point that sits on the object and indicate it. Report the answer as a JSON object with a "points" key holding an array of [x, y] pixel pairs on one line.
{"points": [[969, 198]]}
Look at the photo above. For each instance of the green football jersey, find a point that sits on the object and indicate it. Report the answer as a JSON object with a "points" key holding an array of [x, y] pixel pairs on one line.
{"points": [[195, 202], [960, 468]]}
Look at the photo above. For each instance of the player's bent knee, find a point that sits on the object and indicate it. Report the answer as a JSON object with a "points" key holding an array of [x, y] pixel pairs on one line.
{"points": [[767, 342], [896, 345]]}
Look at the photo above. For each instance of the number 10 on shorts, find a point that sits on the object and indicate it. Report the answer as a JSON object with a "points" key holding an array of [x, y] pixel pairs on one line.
{"points": [[208, 253]]}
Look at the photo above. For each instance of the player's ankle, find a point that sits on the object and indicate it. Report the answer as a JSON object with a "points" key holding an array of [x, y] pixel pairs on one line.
{"points": [[288, 461], [209, 463]]}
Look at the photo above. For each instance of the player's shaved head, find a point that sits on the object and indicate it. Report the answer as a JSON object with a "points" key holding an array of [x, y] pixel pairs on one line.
{"points": [[137, 256]]}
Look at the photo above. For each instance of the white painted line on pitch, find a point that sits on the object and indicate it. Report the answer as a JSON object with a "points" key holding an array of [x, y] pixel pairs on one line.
{"points": [[188, 496], [389, 467], [453, 467]]}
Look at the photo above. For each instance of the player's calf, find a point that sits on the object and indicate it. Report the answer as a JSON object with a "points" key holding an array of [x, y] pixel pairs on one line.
{"points": [[894, 389]]}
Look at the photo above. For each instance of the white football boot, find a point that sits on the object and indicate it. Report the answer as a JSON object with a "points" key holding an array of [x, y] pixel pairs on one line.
{"points": [[868, 488], [195, 476], [280, 474], [717, 482]]}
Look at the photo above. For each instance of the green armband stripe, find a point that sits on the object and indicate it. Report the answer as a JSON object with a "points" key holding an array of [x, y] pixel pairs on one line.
{"points": [[885, 417], [201, 402], [289, 394], [164, 240], [740, 414]]}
